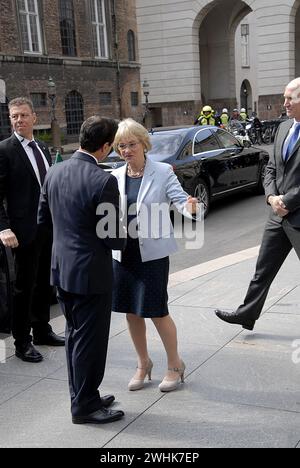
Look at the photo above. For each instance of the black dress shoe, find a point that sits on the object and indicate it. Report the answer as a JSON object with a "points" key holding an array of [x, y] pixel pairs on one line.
{"points": [[107, 400], [102, 416], [51, 339], [29, 354], [235, 318]]}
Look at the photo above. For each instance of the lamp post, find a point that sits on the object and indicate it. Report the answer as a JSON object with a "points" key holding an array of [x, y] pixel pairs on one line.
{"points": [[245, 92], [146, 116], [55, 129]]}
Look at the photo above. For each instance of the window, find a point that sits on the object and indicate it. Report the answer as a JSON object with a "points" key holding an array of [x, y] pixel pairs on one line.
{"points": [[165, 145], [67, 28], [74, 113], [131, 46], [187, 151], [227, 140], [105, 99], [245, 45], [134, 99], [30, 26], [39, 99], [205, 141], [99, 28]]}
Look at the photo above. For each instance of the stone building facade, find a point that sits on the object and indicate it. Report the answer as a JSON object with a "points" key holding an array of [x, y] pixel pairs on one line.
{"points": [[88, 47], [226, 53]]}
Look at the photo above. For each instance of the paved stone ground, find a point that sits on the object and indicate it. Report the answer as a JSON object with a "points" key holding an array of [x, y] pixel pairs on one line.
{"points": [[241, 388]]}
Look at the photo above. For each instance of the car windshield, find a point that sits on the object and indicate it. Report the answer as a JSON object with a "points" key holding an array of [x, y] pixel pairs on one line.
{"points": [[165, 145], [112, 157], [236, 124]]}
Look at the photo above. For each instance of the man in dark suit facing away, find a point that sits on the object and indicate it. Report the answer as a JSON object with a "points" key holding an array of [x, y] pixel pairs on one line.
{"points": [[282, 232], [23, 166], [81, 265]]}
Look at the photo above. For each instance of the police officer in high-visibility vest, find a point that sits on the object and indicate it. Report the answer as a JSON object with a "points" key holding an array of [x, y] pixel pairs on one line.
{"points": [[224, 117], [206, 117], [244, 115]]}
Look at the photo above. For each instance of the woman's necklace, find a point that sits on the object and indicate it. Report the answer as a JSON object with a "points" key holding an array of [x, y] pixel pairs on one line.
{"points": [[137, 174]]}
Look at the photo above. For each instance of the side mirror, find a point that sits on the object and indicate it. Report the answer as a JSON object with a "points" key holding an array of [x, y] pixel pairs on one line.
{"points": [[247, 144]]}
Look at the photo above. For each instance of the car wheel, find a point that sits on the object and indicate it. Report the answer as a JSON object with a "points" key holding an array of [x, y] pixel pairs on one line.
{"points": [[259, 189], [202, 193]]}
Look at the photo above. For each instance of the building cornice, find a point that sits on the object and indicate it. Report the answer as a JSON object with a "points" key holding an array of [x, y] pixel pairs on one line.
{"points": [[67, 62]]}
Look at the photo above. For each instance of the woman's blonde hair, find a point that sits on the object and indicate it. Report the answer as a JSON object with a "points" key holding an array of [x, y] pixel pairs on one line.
{"points": [[130, 128]]}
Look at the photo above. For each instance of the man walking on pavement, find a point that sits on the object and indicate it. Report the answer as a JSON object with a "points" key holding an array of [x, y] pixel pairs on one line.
{"points": [[282, 232], [23, 166]]}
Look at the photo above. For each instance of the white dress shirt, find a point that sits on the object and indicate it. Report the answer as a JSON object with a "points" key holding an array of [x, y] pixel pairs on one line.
{"points": [[24, 142], [288, 138]]}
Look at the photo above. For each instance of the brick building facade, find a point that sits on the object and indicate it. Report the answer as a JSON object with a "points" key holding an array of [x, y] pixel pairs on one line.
{"points": [[89, 49]]}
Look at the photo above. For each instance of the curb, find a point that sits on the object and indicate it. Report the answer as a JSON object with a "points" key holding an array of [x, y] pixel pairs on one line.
{"points": [[203, 269]]}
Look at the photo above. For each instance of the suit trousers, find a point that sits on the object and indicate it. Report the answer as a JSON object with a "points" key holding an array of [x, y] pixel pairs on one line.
{"points": [[32, 292], [87, 334], [278, 241]]}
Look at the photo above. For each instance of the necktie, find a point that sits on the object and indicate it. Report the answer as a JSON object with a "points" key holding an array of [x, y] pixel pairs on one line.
{"points": [[39, 160], [293, 141]]}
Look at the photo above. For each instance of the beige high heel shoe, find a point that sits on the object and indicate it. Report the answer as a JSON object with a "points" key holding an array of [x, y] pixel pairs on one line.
{"points": [[138, 384], [170, 385]]}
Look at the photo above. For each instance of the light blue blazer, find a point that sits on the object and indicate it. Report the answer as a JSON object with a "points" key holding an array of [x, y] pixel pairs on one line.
{"points": [[159, 188]]}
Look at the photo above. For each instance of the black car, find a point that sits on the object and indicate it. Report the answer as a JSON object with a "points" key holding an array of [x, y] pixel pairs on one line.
{"points": [[209, 162]]}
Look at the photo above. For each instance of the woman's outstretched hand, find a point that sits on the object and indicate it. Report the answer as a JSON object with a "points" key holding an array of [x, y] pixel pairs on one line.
{"points": [[192, 205]]}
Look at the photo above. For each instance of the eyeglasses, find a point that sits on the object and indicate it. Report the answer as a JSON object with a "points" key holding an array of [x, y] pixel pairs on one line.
{"points": [[130, 146], [16, 116]]}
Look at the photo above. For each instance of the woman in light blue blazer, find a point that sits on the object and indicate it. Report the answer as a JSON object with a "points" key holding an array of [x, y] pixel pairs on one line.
{"points": [[141, 271]]}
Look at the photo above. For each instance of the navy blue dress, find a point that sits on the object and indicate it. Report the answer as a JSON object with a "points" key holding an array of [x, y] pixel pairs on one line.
{"points": [[139, 288]]}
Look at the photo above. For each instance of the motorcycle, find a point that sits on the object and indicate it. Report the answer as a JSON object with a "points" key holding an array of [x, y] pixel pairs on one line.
{"points": [[254, 132], [236, 128]]}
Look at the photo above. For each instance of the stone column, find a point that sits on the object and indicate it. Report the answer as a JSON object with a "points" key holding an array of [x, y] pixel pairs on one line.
{"points": [[275, 54]]}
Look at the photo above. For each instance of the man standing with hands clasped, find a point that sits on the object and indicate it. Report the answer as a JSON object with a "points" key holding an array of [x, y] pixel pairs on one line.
{"points": [[23, 166], [282, 232]]}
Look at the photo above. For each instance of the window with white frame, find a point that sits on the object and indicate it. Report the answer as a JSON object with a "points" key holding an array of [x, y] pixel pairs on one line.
{"points": [[245, 45], [99, 28], [30, 26]]}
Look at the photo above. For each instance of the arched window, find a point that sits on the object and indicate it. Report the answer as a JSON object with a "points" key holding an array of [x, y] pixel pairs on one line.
{"points": [[67, 28], [74, 112], [131, 46]]}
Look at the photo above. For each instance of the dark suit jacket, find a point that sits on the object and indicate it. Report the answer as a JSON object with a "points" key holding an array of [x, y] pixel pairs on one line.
{"points": [[72, 192], [284, 178], [19, 190]]}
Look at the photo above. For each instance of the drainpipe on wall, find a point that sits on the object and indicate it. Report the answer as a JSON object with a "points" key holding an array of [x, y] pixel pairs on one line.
{"points": [[116, 51]]}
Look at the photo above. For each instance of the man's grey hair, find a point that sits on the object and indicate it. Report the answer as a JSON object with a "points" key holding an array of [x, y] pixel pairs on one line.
{"points": [[21, 101], [295, 87]]}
